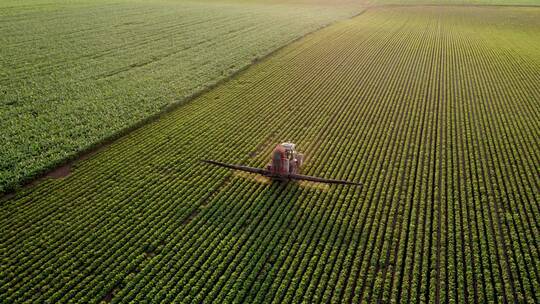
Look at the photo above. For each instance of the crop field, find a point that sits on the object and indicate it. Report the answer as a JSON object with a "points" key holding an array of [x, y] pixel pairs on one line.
{"points": [[74, 73], [435, 109]]}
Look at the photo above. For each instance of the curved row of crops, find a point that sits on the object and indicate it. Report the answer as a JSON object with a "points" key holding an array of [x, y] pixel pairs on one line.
{"points": [[428, 107]]}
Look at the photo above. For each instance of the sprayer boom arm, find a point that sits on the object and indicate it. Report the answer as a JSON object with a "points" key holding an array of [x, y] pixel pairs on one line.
{"points": [[322, 180], [290, 176], [237, 167]]}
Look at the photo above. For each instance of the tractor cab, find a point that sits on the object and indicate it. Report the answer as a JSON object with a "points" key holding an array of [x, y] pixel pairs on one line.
{"points": [[285, 159], [289, 150], [292, 154]]}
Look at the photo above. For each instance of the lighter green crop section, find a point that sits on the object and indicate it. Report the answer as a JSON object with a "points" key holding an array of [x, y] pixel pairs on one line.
{"points": [[436, 110], [73, 73]]}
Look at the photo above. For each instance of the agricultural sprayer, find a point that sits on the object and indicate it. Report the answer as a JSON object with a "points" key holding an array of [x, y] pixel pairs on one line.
{"points": [[285, 163]]}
